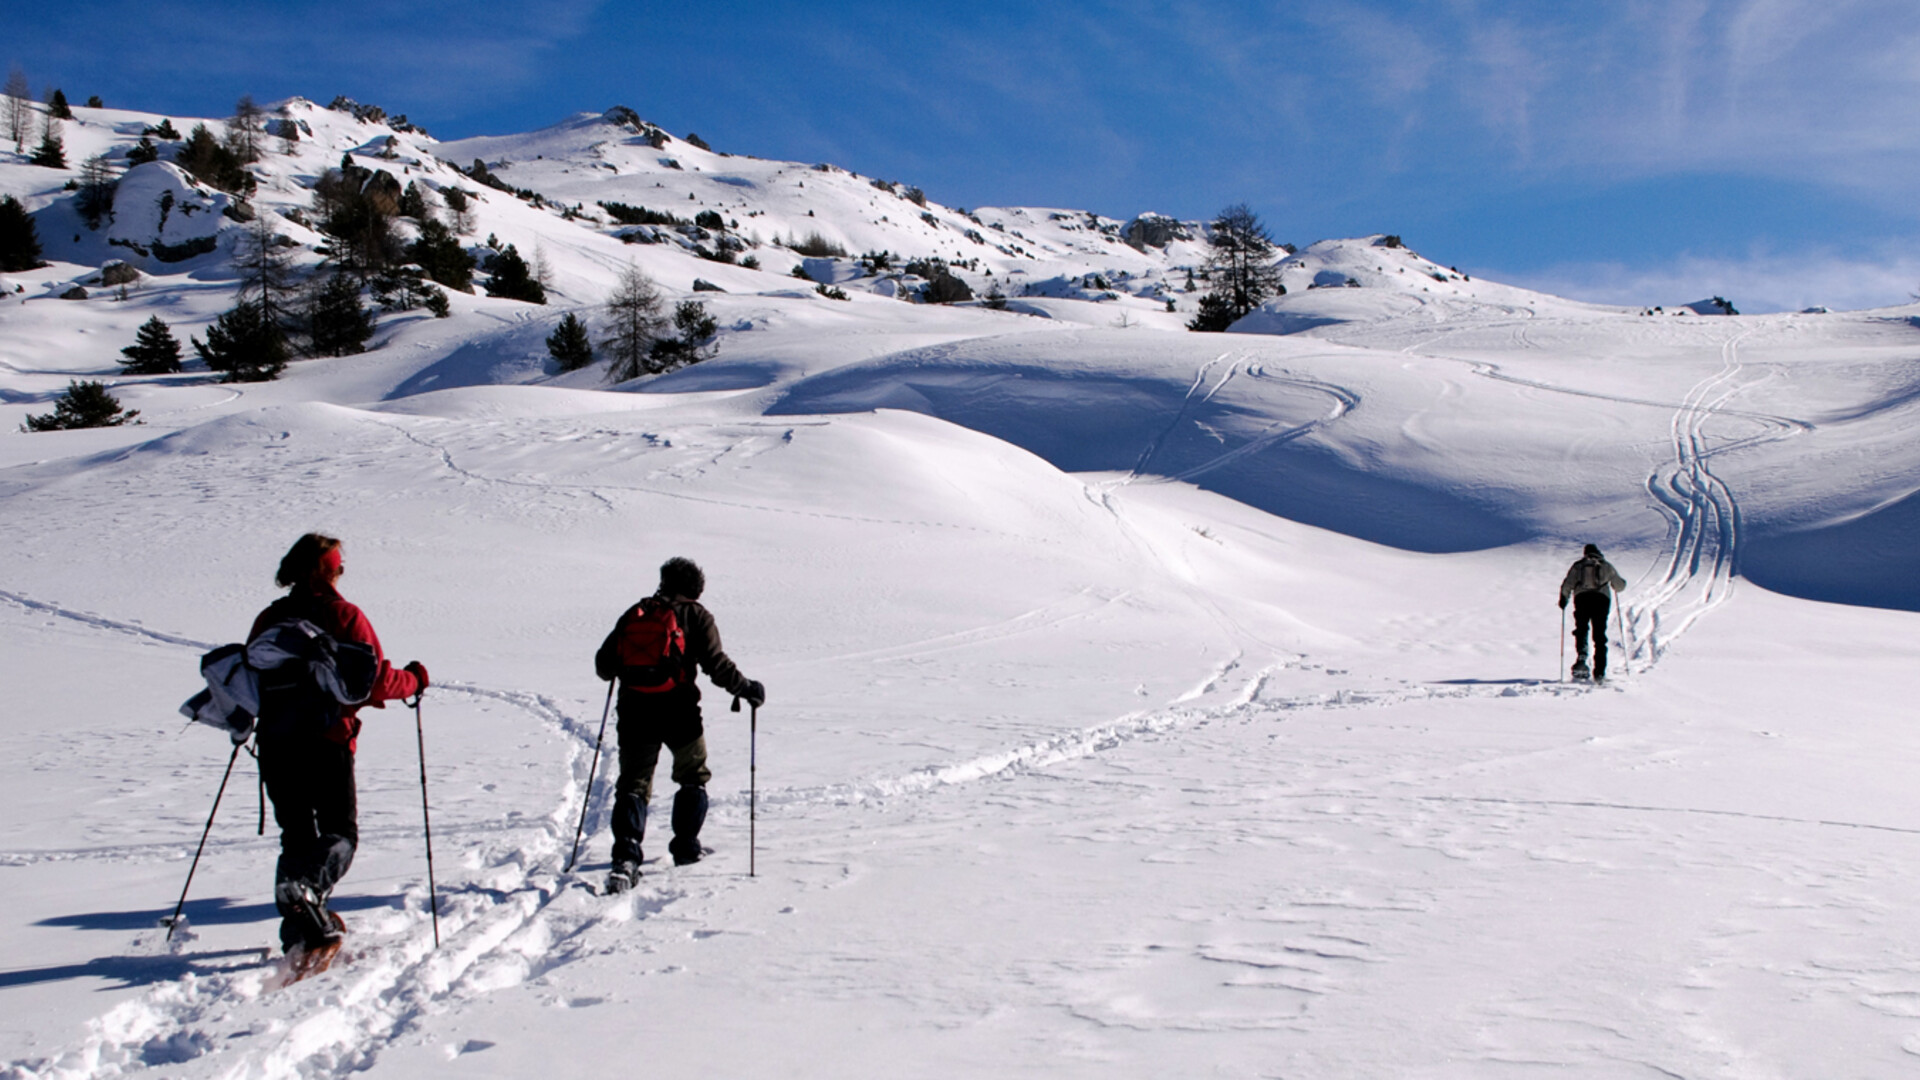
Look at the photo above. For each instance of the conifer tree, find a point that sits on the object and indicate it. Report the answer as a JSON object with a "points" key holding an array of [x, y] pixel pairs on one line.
{"points": [[694, 342], [338, 324], [569, 344], [512, 278], [97, 184], [142, 152], [245, 345], [19, 242], [57, 106], [52, 152], [1240, 266], [84, 405], [635, 314], [244, 129], [442, 256], [155, 351]]}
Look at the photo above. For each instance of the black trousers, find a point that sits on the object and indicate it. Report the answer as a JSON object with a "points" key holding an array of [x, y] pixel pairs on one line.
{"points": [[310, 780], [1590, 612], [648, 723]]}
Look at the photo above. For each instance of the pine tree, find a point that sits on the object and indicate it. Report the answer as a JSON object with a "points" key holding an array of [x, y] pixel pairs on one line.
{"points": [[84, 405], [57, 106], [1214, 316], [634, 311], [338, 324], [442, 256], [52, 152], [245, 345], [569, 344], [694, 342], [142, 152], [19, 242], [155, 351], [512, 278], [413, 204], [210, 163]]}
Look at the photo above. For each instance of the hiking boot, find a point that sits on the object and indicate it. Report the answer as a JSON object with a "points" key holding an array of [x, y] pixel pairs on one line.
{"points": [[625, 874], [306, 920], [685, 852]]}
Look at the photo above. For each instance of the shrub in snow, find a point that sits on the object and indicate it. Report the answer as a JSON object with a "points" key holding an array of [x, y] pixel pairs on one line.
{"points": [[155, 351], [1215, 315], [84, 405], [143, 152], [438, 303], [915, 196], [695, 140], [569, 345], [703, 285], [750, 262], [710, 219], [832, 292], [19, 241], [818, 247], [640, 215]]}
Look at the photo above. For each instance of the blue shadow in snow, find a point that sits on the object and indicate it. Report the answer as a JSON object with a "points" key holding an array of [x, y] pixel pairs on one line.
{"points": [[129, 971], [713, 375], [1871, 561], [215, 911], [1098, 423]]}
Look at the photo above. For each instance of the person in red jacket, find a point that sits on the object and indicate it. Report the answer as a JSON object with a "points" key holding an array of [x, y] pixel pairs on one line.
{"points": [[306, 744]]}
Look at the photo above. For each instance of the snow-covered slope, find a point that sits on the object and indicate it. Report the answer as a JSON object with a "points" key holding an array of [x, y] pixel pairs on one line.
{"points": [[1140, 701]]}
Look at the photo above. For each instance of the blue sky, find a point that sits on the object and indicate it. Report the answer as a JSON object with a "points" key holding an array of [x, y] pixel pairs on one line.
{"points": [[1628, 151]]}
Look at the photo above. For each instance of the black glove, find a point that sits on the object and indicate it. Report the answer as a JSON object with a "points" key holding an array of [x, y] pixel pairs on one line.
{"points": [[1563, 603], [419, 671], [754, 693]]}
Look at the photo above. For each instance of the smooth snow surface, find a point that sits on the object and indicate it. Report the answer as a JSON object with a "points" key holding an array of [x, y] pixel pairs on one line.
{"points": [[1142, 703]]}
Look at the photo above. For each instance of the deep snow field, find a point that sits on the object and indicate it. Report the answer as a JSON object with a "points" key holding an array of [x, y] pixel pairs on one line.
{"points": [[1140, 703]]}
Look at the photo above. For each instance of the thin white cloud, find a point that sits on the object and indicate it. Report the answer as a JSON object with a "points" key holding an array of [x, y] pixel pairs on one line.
{"points": [[1757, 283]]}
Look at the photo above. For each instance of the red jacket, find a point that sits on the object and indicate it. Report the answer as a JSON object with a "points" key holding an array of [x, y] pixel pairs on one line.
{"points": [[324, 607]]}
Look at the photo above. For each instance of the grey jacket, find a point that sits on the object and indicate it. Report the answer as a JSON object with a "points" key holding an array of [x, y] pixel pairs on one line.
{"points": [[1591, 575]]}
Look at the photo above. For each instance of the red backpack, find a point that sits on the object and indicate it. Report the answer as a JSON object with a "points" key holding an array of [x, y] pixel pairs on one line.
{"points": [[652, 648]]}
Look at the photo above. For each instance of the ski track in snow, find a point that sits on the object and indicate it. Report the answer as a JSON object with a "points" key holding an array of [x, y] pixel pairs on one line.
{"points": [[1702, 512]]}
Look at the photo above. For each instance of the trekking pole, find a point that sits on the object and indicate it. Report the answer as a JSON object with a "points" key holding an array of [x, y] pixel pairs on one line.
{"points": [[1620, 627], [753, 781], [426, 817], [753, 785], [1561, 675], [595, 767], [174, 919]]}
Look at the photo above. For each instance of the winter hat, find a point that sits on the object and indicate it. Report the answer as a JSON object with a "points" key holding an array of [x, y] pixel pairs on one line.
{"points": [[1593, 551], [680, 577]]}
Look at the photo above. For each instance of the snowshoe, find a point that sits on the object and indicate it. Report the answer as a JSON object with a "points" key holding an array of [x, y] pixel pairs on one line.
{"points": [[687, 853], [308, 922], [624, 876], [1581, 673]]}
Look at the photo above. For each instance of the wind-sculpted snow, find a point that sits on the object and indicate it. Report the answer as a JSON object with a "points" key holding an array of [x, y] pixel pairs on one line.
{"points": [[1243, 423]]}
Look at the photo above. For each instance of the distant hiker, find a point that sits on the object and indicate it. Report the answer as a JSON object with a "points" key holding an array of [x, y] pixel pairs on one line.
{"points": [[1588, 581], [307, 739], [653, 650]]}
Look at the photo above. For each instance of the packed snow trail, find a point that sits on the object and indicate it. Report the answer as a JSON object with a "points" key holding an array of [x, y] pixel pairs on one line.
{"points": [[519, 919]]}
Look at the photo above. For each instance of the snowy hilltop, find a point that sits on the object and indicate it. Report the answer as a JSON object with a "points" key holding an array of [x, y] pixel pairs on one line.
{"points": [[1138, 699]]}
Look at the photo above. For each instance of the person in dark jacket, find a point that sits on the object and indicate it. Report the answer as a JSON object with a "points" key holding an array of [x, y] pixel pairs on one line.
{"points": [[307, 742], [662, 708], [1591, 582]]}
